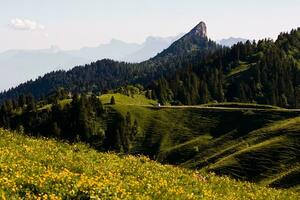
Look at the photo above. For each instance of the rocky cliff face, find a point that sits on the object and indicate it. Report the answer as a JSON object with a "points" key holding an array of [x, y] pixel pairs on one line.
{"points": [[200, 30]]}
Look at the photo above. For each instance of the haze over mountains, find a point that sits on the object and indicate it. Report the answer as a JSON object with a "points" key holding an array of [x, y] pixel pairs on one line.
{"points": [[230, 41], [24, 65]]}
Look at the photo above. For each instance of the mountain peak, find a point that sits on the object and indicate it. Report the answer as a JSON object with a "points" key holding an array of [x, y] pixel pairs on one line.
{"points": [[200, 30]]}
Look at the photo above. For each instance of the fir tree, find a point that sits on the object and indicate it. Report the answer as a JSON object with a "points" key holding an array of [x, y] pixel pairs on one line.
{"points": [[112, 100]]}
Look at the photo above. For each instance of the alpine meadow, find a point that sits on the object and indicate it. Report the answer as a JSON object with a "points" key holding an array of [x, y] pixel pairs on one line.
{"points": [[203, 118]]}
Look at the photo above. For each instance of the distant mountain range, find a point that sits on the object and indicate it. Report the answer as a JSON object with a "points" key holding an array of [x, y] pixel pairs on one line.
{"points": [[24, 65], [230, 41]]}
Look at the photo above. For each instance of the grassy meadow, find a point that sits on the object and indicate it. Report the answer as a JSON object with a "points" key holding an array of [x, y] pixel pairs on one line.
{"points": [[47, 169], [212, 145], [251, 142], [137, 99]]}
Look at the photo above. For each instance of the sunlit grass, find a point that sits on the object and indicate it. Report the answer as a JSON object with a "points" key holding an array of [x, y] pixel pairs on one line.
{"points": [[243, 66], [241, 105], [48, 169], [61, 102], [137, 99]]}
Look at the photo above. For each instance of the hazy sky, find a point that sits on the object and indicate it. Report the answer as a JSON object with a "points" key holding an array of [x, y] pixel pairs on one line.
{"points": [[71, 24]]}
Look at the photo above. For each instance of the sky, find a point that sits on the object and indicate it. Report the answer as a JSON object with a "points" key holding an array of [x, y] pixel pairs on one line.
{"points": [[72, 24]]}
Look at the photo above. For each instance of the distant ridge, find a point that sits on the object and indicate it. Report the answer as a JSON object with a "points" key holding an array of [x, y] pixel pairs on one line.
{"points": [[231, 41], [109, 74], [24, 65]]}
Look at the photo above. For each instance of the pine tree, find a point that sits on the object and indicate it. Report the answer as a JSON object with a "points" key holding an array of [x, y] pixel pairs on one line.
{"points": [[204, 93], [297, 97], [112, 100], [135, 130], [83, 117], [8, 107], [30, 102], [22, 100], [56, 130], [97, 105]]}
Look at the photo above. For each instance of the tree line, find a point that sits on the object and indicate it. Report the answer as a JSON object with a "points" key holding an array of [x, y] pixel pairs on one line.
{"points": [[82, 118]]}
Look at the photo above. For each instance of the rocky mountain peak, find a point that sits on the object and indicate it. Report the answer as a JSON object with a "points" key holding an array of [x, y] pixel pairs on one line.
{"points": [[200, 30]]}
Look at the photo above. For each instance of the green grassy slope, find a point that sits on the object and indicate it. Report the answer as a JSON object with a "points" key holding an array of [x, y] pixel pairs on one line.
{"points": [[259, 145], [241, 105], [137, 99], [48, 169], [49, 106], [242, 67], [269, 155]]}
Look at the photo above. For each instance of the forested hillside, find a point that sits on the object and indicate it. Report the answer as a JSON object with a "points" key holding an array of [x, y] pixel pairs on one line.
{"points": [[109, 74], [193, 70], [265, 72]]}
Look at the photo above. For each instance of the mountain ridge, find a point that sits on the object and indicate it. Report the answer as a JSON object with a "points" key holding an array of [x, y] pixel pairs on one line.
{"points": [[107, 70], [40, 61], [193, 70], [229, 42], [34, 63]]}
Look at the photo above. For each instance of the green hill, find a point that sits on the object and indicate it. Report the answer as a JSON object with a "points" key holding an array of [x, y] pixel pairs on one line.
{"points": [[256, 143], [253, 143], [137, 99], [47, 169]]}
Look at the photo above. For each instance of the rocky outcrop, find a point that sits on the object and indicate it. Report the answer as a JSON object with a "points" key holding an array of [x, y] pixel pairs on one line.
{"points": [[200, 30]]}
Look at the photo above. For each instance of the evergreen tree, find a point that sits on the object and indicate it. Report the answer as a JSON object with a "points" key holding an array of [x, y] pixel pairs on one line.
{"points": [[135, 128], [30, 102], [97, 105], [22, 100], [112, 100], [56, 130]]}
